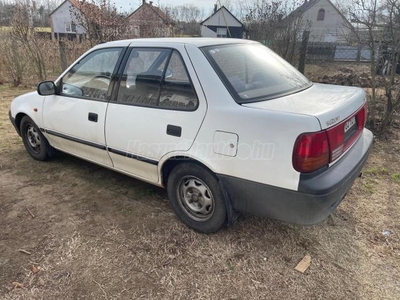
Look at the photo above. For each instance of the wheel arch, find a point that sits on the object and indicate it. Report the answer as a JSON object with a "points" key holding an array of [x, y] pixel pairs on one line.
{"points": [[169, 164], [18, 119]]}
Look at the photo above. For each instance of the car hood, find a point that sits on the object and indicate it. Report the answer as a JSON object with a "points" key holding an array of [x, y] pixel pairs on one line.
{"points": [[330, 104]]}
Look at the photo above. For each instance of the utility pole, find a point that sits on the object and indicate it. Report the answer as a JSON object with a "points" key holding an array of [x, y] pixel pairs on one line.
{"points": [[29, 13]]}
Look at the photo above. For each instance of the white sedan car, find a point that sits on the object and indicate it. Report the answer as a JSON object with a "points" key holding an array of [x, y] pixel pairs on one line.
{"points": [[225, 125]]}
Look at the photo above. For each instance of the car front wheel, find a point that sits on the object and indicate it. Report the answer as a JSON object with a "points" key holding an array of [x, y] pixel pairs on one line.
{"points": [[196, 198], [34, 141]]}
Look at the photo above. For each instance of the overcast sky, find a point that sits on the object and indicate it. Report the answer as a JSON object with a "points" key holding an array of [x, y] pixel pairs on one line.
{"points": [[207, 5]]}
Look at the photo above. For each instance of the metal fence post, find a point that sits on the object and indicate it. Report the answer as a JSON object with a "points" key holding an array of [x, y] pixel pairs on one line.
{"points": [[303, 51], [63, 58], [359, 48]]}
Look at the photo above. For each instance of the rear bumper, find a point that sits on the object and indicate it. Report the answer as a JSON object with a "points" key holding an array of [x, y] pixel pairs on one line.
{"points": [[13, 122], [318, 194]]}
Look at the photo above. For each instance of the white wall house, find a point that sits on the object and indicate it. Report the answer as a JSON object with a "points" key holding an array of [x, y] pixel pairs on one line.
{"points": [[63, 23], [222, 23], [325, 21]]}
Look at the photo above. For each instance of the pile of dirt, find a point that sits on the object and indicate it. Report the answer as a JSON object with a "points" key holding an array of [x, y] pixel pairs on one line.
{"points": [[343, 79], [348, 77]]}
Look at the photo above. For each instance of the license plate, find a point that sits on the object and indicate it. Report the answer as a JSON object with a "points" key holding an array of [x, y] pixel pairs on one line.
{"points": [[349, 124]]}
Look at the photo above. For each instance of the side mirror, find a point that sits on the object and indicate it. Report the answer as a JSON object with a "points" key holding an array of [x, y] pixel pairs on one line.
{"points": [[46, 88]]}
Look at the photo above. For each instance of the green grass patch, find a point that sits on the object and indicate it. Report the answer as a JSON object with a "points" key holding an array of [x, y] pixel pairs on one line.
{"points": [[377, 171], [396, 176], [369, 186]]}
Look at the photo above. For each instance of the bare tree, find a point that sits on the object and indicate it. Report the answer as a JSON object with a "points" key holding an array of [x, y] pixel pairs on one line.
{"points": [[23, 33], [186, 17], [100, 20], [392, 29], [364, 14], [228, 5], [12, 60], [6, 12], [377, 26], [273, 23]]}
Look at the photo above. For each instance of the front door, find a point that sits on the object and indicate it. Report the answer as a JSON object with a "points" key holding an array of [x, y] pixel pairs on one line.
{"points": [[156, 110], [74, 118]]}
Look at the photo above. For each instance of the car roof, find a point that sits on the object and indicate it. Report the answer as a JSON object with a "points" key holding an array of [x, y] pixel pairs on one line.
{"points": [[198, 42]]}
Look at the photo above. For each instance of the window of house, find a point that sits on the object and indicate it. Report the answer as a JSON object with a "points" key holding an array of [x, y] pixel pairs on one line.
{"points": [[70, 27], [148, 80], [136, 31], [222, 32], [321, 15], [90, 78]]}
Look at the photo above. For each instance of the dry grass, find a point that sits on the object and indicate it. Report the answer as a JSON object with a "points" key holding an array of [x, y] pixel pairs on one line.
{"points": [[101, 235]]}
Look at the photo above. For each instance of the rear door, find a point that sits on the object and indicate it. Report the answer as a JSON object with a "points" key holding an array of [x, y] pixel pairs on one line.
{"points": [[74, 118], [158, 108]]}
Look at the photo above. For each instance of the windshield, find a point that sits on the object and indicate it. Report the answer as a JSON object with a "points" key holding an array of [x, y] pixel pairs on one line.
{"points": [[252, 72]]}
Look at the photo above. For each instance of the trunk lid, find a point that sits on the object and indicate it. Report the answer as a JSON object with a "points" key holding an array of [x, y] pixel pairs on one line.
{"points": [[330, 104]]}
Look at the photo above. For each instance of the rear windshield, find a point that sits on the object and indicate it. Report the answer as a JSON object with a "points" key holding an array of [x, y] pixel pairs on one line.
{"points": [[252, 72]]}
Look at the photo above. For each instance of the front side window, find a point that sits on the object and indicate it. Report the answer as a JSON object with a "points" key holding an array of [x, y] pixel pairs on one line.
{"points": [[252, 72], [90, 77], [156, 78]]}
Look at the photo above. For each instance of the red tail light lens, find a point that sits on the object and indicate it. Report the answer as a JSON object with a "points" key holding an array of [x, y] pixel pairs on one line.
{"points": [[311, 152], [362, 117], [338, 141]]}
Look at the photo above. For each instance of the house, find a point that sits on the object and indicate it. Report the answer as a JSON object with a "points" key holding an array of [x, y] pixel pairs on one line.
{"points": [[150, 21], [222, 23], [324, 21], [64, 24]]}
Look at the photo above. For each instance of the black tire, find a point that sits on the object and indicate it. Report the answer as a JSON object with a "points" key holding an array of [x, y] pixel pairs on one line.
{"points": [[32, 136], [196, 198]]}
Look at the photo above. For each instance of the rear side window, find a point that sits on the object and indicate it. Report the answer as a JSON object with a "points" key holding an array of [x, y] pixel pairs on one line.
{"points": [[157, 78], [177, 91], [252, 72], [140, 83]]}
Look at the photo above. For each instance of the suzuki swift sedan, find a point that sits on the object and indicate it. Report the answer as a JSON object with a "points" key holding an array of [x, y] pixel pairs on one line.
{"points": [[224, 125]]}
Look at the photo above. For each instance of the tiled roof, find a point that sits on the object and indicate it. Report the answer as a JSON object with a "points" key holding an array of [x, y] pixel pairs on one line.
{"points": [[303, 8], [155, 9]]}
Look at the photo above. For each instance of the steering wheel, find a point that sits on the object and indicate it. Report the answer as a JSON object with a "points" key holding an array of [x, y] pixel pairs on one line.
{"points": [[100, 82]]}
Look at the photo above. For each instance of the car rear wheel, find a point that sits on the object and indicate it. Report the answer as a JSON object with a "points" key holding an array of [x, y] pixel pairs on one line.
{"points": [[34, 141], [196, 198]]}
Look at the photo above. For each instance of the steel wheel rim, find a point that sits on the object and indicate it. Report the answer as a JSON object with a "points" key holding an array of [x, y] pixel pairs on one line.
{"points": [[33, 139], [195, 198]]}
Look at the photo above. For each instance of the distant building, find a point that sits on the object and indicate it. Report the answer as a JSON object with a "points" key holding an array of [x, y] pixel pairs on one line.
{"points": [[63, 23], [324, 21], [150, 21], [222, 23]]}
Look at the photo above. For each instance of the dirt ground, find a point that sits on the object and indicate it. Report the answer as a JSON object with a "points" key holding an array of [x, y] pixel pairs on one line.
{"points": [[97, 234]]}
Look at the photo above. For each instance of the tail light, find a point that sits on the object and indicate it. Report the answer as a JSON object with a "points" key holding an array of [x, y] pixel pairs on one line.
{"points": [[315, 150], [311, 152]]}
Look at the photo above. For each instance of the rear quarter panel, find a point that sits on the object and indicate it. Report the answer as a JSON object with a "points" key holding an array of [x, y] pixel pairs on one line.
{"points": [[265, 144]]}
